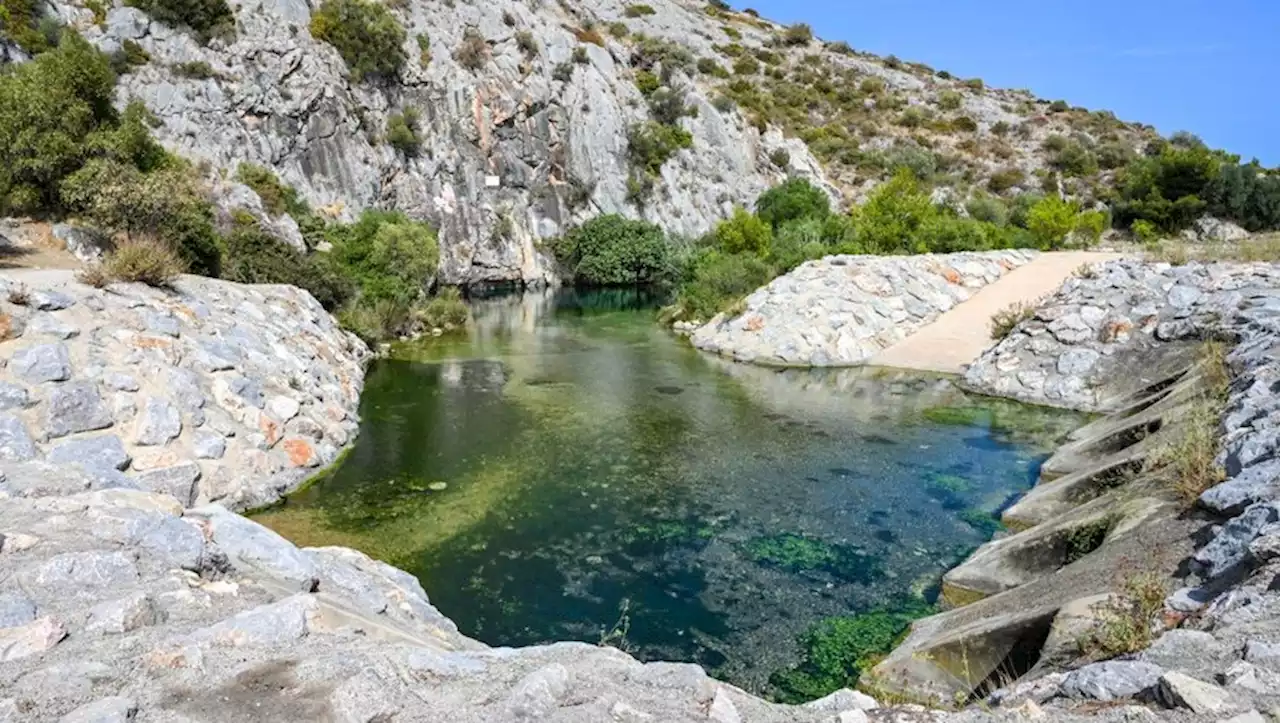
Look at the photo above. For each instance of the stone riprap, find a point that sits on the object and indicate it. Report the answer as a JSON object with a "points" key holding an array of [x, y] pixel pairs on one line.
{"points": [[212, 391], [842, 310], [119, 605]]}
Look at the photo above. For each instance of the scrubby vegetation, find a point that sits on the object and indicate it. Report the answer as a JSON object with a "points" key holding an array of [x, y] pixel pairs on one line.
{"points": [[1126, 621], [207, 19], [1008, 318], [366, 34], [142, 259], [611, 250], [402, 132]]}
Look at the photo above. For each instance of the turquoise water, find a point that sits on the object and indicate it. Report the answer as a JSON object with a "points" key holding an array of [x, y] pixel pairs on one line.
{"points": [[570, 470]]}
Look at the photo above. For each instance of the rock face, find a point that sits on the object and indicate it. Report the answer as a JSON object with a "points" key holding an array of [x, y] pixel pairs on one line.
{"points": [[535, 138], [842, 310], [176, 392]]}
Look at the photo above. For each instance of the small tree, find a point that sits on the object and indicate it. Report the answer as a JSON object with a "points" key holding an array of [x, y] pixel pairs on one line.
{"points": [[798, 34], [611, 250], [793, 199], [1051, 220], [367, 36], [402, 132], [744, 232]]}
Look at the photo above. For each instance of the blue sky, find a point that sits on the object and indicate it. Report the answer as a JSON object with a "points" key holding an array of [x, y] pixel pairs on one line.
{"points": [[1211, 67]]}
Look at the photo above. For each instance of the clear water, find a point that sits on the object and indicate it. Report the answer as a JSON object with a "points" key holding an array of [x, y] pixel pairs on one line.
{"points": [[571, 469]]}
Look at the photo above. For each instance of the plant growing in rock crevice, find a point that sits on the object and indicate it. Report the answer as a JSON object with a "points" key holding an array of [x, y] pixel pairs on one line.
{"points": [[367, 36], [1003, 322], [1124, 623], [1188, 459]]}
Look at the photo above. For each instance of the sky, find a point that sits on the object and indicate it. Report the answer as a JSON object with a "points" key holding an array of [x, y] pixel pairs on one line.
{"points": [[1211, 67]]}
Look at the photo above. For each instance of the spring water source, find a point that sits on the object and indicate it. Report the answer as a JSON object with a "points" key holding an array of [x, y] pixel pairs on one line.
{"points": [[571, 471]]}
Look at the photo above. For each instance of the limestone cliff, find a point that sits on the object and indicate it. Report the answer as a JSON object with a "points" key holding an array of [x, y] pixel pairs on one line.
{"points": [[518, 149]]}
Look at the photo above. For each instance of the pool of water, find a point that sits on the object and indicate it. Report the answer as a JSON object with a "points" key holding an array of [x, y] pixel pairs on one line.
{"points": [[570, 470]]}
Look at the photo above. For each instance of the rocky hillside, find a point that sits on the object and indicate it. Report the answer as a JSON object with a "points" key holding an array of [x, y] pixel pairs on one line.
{"points": [[525, 118]]}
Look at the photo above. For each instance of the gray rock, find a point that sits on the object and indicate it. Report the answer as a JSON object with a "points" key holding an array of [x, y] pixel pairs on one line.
{"points": [[1182, 691], [75, 407], [39, 479], [80, 573], [35, 637], [123, 615], [85, 244], [178, 480], [120, 382], [101, 452], [1258, 483], [16, 444], [1184, 649], [251, 546], [437, 664], [46, 300], [1188, 599], [266, 625], [161, 323], [539, 693], [1077, 361], [16, 610], [1112, 680], [115, 709], [13, 396], [1266, 655], [1230, 547], [842, 700], [183, 385], [158, 423], [723, 710], [42, 363], [208, 445], [52, 326], [362, 699]]}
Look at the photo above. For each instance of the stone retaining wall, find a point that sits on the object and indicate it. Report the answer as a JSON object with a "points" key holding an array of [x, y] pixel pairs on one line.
{"points": [[213, 391], [842, 310]]}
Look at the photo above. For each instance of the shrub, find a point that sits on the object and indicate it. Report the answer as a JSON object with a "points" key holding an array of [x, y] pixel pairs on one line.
{"points": [[647, 82], [618, 30], [208, 19], [639, 11], [167, 204], [707, 66], [746, 65], [563, 72], [277, 197], [872, 86], [840, 47], [949, 100], [143, 259], [1124, 623], [526, 43], [402, 132], [1074, 160], [1165, 189], [365, 33], [1005, 178], [987, 208], [20, 23], [793, 199], [743, 232], [1115, 154], [780, 158], [253, 256], [975, 84], [52, 110], [424, 50], [716, 280], [893, 62], [1052, 220], [611, 250], [388, 255], [473, 52], [1003, 322], [196, 69], [798, 34], [446, 310], [588, 35], [1245, 194], [964, 124], [666, 106], [912, 117], [651, 144], [129, 56], [375, 319], [1001, 128]]}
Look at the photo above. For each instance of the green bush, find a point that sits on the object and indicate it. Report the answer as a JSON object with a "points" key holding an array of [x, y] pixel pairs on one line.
{"points": [[743, 232], [1001, 128], [639, 11], [253, 256], [387, 255], [1245, 194], [651, 144], [647, 82], [1074, 160], [666, 106], [1116, 154], [798, 34], [780, 158], [964, 124], [402, 132], [619, 30], [746, 65], [277, 197], [129, 56], [989, 209], [1051, 220], [208, 19], [144, 260], [1006, 178], [367, 36], [197, 69], [793, 199], [53, 112], [21, 23], [168, 204], [716, 280], [611, 250], [446, 310], [526, 43], [707, 66], [872, 86], [1165, 189], [899, 217], [949, 100]]}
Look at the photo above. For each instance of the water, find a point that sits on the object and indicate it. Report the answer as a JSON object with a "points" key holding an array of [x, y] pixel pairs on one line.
{"points": [[572, 471]]}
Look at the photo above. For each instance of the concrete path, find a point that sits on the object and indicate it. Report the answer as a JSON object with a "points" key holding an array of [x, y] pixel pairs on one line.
{"points": [[958, 337]]}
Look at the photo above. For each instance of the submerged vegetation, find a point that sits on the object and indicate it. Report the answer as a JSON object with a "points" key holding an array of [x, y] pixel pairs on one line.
{"points": [[838, 650]]}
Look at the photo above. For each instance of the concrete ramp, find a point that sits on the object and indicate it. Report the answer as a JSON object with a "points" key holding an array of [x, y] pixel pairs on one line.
{"points": [[958, 337]]}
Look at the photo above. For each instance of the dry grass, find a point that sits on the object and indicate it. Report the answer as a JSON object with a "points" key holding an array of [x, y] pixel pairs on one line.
{"points": [[1260, 248], [94, 275], [1004, 321], [1126, 621], [19, 295], [1187, 460], [146, 260]]}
